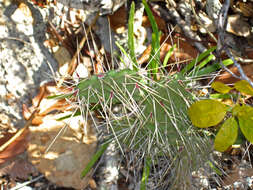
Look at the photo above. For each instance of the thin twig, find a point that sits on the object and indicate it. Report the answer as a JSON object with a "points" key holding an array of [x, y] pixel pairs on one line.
{"points": [[20, 132], [27, 183], [200, 23], [171, 14], [221, 45], [72, 64], [17, 39]]}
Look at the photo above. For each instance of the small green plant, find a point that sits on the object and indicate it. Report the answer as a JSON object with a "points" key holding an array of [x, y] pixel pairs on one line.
{"points": [[207, 113], [153, 118]]}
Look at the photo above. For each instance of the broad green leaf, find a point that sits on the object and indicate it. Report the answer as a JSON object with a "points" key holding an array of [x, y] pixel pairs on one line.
{"points": [[245, 117], [244, 87], [206, 113], [236, 110], [227, 135], [221, 87]]}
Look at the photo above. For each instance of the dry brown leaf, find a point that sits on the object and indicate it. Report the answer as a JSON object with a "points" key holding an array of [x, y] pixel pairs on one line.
{"points": [[45, 105], [16, 147], [246, 8], [118, 21], [183, 52], [227, 78]]}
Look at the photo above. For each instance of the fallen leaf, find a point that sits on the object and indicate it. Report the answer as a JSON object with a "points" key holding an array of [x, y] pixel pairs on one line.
{"points": [[227, 78], [45, 105], [183, 52], [246, 8], [16, 147]]}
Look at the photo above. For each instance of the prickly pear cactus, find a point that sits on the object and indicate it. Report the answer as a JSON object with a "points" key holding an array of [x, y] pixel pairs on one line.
{"points": [[149, 108]]}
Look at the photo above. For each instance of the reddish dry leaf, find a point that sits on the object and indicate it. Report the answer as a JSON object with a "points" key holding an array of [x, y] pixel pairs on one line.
{"points": [[118, 21], [227, 78], [18, 146], [46, 105], [160, 22]]}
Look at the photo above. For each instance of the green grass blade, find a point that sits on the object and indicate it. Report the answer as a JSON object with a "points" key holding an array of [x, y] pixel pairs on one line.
{"points": [[223, 96], [155, 52], [212, 68], [145, 174], [94, 159], [207, 60], [214, 168], [168, 55], [123, 51], [131, 37], [197, 60], [77, 113], [151, 19], [60, 96]]}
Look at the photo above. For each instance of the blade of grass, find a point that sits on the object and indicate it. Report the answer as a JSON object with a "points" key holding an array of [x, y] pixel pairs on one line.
{"points": [[207, 60], [123, 51], [197, 60], [131, 37], [145, 174], [223, 96], [94, 159], [168, 55], [155, 51], [214, 67], [60, 96]]}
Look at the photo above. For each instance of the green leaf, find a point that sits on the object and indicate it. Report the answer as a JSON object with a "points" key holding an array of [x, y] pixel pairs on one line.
{"points": [[244, 87], [236, 110], [206, 113], [245, 117], [221, 87], [95, 157], [227, 135]]}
